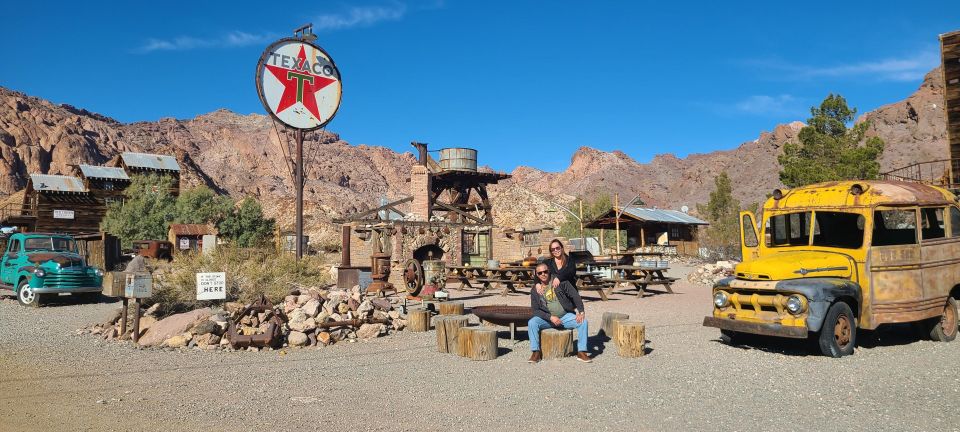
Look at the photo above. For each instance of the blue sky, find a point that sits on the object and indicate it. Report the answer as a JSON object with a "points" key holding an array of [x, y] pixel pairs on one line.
{"points": [[525, 83]]}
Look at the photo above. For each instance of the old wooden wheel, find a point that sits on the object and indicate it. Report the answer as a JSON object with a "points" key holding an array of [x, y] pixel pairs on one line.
{"points": [[413, 276]]}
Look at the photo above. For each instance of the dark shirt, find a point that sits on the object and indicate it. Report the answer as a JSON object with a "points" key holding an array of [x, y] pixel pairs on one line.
{"points": [[567, 294], [567, 273]]}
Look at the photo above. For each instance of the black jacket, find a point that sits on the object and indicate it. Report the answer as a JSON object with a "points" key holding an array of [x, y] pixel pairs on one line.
{"points": [[566, 292], [567, 273]]}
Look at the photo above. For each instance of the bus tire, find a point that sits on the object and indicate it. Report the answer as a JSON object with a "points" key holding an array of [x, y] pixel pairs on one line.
{"points": [[838, 336]]}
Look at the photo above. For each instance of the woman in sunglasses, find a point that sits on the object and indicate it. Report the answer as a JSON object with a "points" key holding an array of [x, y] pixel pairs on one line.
{"points": [[561, 266], [559, 307]]}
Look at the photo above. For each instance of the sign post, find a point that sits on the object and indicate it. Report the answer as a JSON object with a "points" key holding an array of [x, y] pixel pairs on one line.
{"points": [[299, 85]]}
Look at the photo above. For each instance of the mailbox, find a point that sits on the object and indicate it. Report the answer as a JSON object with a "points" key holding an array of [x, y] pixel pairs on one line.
{"points": [[114, 284]]}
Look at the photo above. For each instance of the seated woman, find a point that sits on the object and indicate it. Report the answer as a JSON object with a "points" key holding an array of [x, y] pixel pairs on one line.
{"points": [[558, 307]]}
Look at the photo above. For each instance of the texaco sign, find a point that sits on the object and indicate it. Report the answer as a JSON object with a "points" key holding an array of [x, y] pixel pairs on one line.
{"points": [[299, 84]]}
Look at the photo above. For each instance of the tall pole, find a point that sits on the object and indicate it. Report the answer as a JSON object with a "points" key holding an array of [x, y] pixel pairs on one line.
{"points": [[616, 205], [299, 186], [583, 241]]}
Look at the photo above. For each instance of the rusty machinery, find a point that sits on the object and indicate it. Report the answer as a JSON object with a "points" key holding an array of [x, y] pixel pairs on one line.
{"points": [[380, 273]]}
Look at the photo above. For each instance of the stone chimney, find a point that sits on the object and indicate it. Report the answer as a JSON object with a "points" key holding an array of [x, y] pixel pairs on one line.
{"points": [[420, 189]]}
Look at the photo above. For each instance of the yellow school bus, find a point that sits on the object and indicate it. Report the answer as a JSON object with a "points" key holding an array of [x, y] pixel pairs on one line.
{"points": [[832, 258]]}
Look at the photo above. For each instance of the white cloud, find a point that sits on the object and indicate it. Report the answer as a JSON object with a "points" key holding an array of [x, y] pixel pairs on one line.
{"points": [[907, 68], [227, 40], [783, 104], [359, 16]]}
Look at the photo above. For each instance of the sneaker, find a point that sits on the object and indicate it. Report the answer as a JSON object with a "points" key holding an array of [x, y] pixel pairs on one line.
{"points": [[584, 357], [535, 357]]}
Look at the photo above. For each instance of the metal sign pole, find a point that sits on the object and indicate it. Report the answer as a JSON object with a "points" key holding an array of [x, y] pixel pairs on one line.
{"points": [[299, 181]]}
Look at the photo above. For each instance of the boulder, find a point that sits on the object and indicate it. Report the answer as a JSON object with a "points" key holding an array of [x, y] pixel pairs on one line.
{"points": [[370, 331], [364, 308], [208, 339], [382, 304], [178, 341], [173, 325], [311, 308], [297, 338], [205, 327], [302, 299], [296, 319]]}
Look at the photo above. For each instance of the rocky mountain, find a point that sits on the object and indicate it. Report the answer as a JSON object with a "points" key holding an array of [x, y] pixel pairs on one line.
{"points": [[913, 129], [242, 155]]}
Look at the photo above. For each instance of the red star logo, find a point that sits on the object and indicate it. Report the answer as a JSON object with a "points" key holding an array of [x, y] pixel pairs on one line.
{"points": [[299, 85]]}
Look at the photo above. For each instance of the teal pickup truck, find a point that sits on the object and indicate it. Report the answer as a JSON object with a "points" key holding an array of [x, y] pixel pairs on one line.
{"points": [[36, 265]]}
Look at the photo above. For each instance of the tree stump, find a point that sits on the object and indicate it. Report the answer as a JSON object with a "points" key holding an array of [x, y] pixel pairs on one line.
{"points": [[608, 323], [477, 343], [448, 329], [451, 308], [631, 338], [556, 343], [418, 320]]}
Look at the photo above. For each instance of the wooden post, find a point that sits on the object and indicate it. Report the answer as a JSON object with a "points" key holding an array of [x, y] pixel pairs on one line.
{"points": [[616, 213], [631, 338], [556, 343], [602, 248], [477, 343], [608, 323], [448, 328], [451, 308], [583, 241], [136, 320], [643, 237], [123, 317], [418, 320]]}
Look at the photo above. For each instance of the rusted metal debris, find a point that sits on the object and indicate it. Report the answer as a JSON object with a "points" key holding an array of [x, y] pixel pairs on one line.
{"points": [[272, 337]]}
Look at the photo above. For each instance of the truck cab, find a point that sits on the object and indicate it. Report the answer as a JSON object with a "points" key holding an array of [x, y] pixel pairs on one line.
{"points": [[37, 265], [832, 258]]}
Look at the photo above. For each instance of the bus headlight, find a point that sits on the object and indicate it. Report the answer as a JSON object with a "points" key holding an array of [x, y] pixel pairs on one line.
{"points": [[721, 299], [796, 304]]}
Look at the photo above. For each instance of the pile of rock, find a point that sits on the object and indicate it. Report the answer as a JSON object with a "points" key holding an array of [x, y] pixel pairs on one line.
{"points": [[709, 274], [307, 317]]}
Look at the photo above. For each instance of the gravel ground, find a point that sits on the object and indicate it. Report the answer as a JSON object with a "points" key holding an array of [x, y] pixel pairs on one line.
{"points": [[51, 379]]}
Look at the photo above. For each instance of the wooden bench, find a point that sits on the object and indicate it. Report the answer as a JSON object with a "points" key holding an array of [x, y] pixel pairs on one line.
{"points": [[641, 284], [487, 283]]}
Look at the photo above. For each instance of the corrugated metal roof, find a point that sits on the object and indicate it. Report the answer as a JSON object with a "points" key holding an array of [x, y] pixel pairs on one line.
{"points": [[102, 172], [192, 229], [150, 161], [660, 215], [56, 183]]}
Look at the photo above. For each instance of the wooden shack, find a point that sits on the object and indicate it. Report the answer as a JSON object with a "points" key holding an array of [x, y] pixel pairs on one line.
{"points": [[148, 163], [189, 237], [672, 230], [62, 204], [105, 183]]}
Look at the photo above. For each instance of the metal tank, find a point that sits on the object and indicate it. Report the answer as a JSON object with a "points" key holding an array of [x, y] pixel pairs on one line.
{"points": [[434, 272], [458, 159]]}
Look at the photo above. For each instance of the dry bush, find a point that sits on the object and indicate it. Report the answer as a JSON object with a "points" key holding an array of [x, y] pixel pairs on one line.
{"points": [[250, 272]]}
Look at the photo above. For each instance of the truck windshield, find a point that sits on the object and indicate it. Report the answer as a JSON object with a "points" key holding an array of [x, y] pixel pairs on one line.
{"points": [[830, 229], [57, 244]]}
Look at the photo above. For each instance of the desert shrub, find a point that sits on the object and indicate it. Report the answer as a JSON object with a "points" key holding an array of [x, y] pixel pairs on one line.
{"points": [[250, 273]]}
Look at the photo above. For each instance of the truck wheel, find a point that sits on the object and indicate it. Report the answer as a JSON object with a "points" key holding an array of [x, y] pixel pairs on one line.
{"points": [[944, 329], [730, 337], [838, 336], [26, 296]]}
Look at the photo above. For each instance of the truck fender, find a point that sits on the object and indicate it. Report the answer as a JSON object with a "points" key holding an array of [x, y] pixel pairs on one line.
{"points": [[821, 293]]}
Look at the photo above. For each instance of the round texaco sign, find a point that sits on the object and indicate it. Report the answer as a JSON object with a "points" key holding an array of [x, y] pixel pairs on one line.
{"points": [[299, 84]]}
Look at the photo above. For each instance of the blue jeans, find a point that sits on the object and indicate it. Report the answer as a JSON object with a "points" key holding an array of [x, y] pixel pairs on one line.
{"points": [[568, 321]]}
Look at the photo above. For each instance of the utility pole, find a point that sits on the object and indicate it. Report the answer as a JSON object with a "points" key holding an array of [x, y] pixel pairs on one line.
{"points": [[583, 240], [616, 205], [299, 185]]}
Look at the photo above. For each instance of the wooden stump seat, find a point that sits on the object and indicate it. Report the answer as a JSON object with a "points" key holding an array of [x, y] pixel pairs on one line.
{"points": [[556, 343], [448, 330]]}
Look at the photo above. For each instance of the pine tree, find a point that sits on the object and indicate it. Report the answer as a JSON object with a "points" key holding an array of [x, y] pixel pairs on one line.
{"points": [[827, 150], [145, 213]]}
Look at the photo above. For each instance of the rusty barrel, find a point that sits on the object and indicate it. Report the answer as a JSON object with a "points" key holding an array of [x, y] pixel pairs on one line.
{"points": [[435, 272]]}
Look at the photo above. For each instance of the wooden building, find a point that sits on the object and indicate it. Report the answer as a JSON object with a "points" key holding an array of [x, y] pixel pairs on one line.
{"points": [[105, 183], [950, 60], [148, 163], [650, 227], [62, 204]]}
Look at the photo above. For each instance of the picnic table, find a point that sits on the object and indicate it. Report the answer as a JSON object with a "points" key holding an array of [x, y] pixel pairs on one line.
{"points": [[593, 280], [510, 277], [640, 277]]}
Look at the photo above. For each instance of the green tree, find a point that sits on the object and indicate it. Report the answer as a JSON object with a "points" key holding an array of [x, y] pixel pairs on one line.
{"points": [[145, 212], [201, 205], [828, 150], [246, 226], [722, 211]]}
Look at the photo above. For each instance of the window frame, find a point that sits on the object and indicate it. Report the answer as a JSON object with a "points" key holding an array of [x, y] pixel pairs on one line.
{"points": [[916, 225]]}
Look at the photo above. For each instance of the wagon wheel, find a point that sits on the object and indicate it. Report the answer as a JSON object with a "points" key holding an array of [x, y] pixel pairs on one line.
{"points": [[413, 276]]}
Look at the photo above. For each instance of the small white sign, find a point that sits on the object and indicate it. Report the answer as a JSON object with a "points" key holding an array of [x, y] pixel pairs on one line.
{"points": [[211, 286], [138, 285], [63, 214], [184, 243]]}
